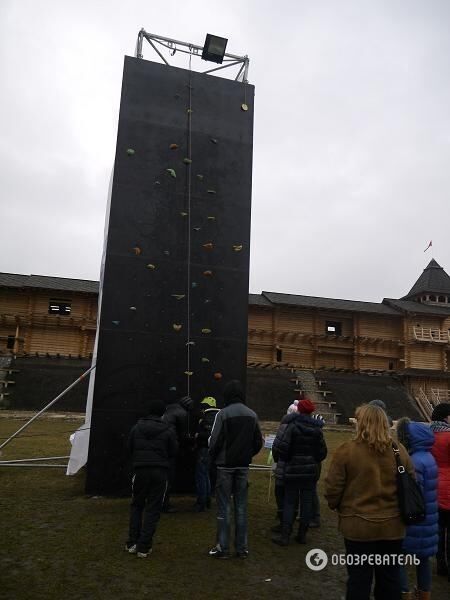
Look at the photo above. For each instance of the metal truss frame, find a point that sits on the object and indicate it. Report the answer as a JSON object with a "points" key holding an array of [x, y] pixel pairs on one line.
{"points": [[193, 50]]}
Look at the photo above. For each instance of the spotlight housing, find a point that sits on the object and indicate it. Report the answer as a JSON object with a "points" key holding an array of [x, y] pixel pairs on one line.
{"points": [[214, 48]]}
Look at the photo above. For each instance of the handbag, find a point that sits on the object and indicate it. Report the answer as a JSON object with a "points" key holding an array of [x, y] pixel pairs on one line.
{"points": [[410, 496]]}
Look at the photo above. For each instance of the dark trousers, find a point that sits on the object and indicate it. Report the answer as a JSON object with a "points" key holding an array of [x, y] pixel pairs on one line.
{"points": [[443, 555], [387, 577], [149, 485], [292, 493], [279, 498], [170, 481], [202, 482]]}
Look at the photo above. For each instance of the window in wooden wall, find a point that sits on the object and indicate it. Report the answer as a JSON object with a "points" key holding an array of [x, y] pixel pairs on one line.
{"points": [[279, 354], [333, 328], [57, 306], [10, 342]]}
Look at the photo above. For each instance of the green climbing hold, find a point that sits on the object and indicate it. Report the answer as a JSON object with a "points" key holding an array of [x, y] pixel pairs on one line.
{"points": [[211, 218], [116, 322], [206, 330], [171, 172], [130, 152], [194, 284], [178, 296], [184, 214], [189, 111], [151, 267], [211, 191], [157, 183], [205, 360], [200, 177], [187, 161]]}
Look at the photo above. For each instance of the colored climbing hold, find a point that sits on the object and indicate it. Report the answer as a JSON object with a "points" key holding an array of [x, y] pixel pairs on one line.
{"points": [[173, 146], [189, 373], [184, 214], [157, 183], [171, 172], [207, 300], [173, 388], [244, 107], [200, 177], [217, 376], [178, 296], [189, 111], [151, 267], [176, 327], [237, 247], [130, 152], [207, 273], [187, 161], [133, 308], [211, 191], [206, 330], [205, 360], [211, 218], [196, 228], [194, 284], [116, 322], [208, 246], [213, 140], [137, 250], [166, 252], [190, 343]]}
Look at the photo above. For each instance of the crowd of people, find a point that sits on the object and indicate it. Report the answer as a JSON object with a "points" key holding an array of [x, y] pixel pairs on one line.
{"points": [[360, 484]]}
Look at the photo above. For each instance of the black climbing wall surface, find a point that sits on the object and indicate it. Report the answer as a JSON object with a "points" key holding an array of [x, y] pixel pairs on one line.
{"points": [[175, 288]]}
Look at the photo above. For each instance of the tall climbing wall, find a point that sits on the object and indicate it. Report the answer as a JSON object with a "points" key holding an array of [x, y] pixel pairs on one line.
{"points": [[175, 286]]}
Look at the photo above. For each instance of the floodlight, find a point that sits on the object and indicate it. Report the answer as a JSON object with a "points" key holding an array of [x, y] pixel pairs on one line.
{"points": [[214, 48]]}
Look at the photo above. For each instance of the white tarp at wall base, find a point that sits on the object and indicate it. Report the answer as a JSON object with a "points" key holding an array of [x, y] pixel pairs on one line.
{"points": [[80, 439]]}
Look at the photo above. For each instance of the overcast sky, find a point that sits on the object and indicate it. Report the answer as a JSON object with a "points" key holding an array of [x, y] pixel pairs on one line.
{"points": [[351, 174]]}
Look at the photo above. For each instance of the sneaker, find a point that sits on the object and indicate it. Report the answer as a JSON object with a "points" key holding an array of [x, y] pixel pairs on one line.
{"points": [[143, 554], [130, 548], [215, 552], [242, 554]]}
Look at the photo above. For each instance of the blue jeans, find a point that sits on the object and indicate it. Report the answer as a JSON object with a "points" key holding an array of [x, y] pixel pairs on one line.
{"points": [[423, 574], [232, 482], [202, 482]]}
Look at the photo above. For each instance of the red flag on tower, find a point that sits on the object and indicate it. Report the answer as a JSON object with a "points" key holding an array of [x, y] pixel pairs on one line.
{"points": [[429, 246]]}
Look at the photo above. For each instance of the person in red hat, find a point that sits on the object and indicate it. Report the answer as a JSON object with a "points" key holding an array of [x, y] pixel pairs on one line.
{"points": [[299, 448]]}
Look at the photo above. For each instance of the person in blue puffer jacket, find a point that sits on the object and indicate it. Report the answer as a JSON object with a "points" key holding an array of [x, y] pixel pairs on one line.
{"points": [[421, 539]]}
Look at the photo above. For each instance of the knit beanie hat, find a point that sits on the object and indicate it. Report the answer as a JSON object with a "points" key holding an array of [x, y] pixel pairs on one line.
{"points": [[305, 407], [233, 392], [379, 403], [292, 407], [156, 408], [210, 401], [441, 411]]}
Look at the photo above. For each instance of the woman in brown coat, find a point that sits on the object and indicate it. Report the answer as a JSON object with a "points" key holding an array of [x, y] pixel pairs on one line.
{"points": [[361, 487]]}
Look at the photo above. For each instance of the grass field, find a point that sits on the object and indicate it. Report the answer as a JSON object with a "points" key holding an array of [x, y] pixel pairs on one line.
{"points": [[57, 543]]}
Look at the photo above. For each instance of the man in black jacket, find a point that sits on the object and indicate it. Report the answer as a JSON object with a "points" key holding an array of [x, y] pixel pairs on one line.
{"points": [[176, 416], [235, 438], [299, 448], [153, 446], [208, 412]]}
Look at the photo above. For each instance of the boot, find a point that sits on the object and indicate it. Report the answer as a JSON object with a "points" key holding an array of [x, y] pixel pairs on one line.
{"points": [[407, 596], [424, 595], [277, 528], [300, 538], [283, 538]]}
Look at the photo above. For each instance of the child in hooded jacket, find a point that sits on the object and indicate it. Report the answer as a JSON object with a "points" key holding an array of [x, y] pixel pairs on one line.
{"points": [[421, 539]]}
